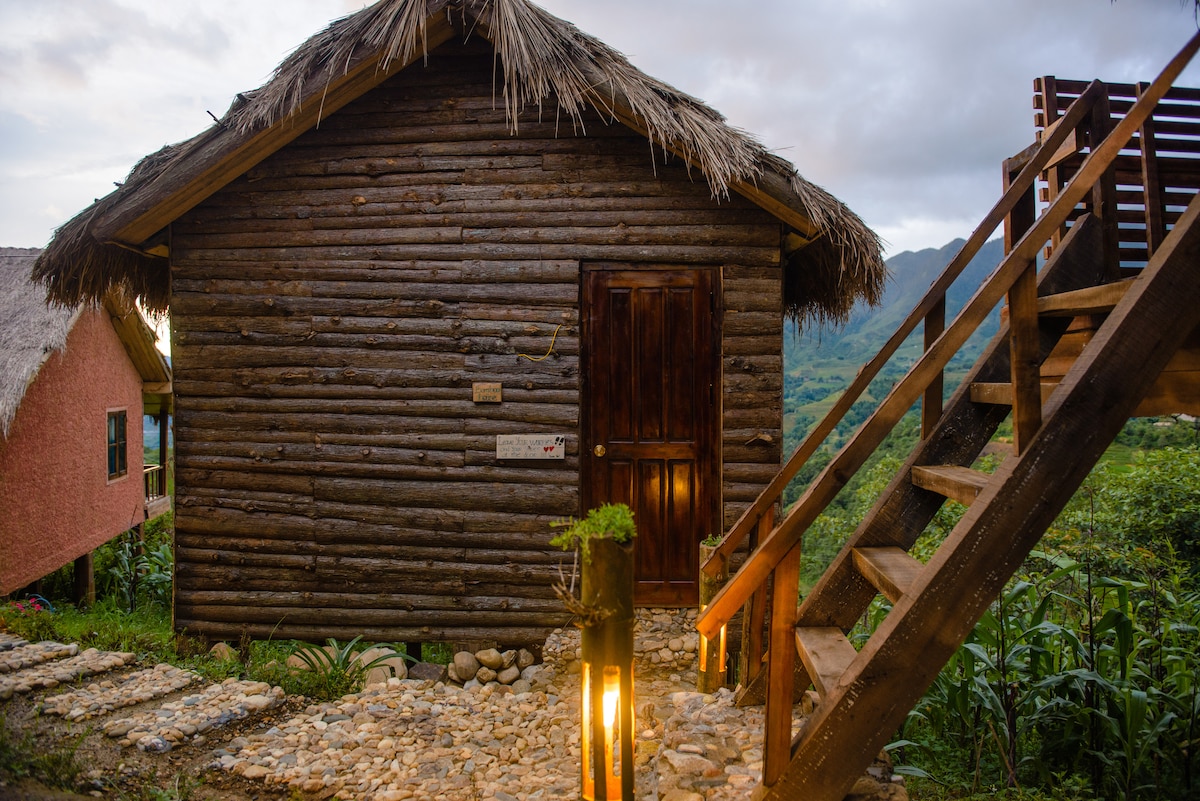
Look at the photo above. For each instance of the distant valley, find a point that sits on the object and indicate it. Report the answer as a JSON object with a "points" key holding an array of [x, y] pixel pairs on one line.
{"points": [[820, 364]]}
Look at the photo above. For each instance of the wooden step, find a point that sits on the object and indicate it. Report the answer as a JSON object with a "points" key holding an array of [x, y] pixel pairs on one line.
{"points": [[1001, 394], [889, 568], [957, 483], [1091, 300], [826, 653]]}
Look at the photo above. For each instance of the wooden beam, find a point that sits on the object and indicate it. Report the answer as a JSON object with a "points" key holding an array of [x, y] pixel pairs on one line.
{"points": [[781, 665], [1099, 299]]}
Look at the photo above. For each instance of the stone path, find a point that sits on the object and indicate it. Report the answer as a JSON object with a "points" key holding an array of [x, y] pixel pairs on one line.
{"points": [[428, 739]]}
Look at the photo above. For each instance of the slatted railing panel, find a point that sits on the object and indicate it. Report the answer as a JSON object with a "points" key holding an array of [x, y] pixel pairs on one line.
{"points": [[1157, 173]]}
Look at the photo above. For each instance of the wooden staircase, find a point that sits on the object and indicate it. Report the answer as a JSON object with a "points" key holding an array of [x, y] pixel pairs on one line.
{"points": [[1061, 427]]}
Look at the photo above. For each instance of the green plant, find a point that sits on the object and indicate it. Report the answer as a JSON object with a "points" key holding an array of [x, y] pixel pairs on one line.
{"points": [[612, 521], [335, 670], [24, 758], [32, 619]]}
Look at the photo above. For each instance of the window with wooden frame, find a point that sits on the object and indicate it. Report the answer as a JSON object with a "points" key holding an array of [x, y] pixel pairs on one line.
{"points": [[118, 457]]}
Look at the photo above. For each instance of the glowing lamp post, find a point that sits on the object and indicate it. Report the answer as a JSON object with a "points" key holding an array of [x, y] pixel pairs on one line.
{"points": [[712, 670], [604, 611], [608, 672]]}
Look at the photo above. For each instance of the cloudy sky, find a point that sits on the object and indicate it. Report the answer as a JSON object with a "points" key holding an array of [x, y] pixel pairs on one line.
{"points": [[902, 108]]}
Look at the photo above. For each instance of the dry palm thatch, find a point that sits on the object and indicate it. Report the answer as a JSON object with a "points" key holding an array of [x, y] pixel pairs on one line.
{"points": [[543, 61], [30, 331]]}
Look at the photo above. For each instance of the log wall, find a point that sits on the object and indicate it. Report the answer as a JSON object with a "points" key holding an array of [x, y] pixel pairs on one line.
{"points": [[331, 310]]}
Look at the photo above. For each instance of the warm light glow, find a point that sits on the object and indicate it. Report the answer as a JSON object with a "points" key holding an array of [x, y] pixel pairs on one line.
{"points": [[610, 731], [612, 696]]}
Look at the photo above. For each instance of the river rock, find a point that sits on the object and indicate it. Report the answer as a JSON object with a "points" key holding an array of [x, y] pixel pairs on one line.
{"points": [[490, 658], [465, 665]]}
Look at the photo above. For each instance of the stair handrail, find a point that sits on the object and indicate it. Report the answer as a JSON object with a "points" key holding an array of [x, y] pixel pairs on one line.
{"points": [[1052, 140], [933, 361]]}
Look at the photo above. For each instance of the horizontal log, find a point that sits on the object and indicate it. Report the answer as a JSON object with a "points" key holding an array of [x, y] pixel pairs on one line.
{"points": [[739, 323], [768, 384], [327, 456], [523, 534], [746, 300], [366, 618], [376, 160], [554, 500], [560, 414], [665, 252], [427, 554], [555, 474], [740, 472], [210, 576], [631, 233], [308, 236], [765, 344], [388, 425], [296, 488], [533, 378], [500, 600], [265, 389], [199, 303], [733, 491], [326, 297], [234, 206], [354, 571], [318, 633], [565, 343], [284, 221], [751, 417]]}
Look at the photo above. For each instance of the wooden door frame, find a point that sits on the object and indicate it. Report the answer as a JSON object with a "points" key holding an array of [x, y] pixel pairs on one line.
{"points": [[711, 469]]}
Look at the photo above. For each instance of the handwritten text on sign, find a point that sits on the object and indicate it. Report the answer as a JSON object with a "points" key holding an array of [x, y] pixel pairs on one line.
{"points": [[531, 446]]}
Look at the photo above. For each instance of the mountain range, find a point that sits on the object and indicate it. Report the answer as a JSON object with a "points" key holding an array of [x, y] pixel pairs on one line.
{"points": [[819, 364]]}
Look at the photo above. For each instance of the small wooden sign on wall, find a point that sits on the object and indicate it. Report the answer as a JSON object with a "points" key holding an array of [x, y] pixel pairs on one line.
{"points": [[531, 446], [487, 392]]}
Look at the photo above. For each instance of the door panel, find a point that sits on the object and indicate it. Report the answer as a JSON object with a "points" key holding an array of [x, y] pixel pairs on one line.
{"points": [[651, 375]]}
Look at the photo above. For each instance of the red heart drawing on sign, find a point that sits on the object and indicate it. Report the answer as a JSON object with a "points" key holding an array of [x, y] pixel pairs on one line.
{"points": [[547, 448]]}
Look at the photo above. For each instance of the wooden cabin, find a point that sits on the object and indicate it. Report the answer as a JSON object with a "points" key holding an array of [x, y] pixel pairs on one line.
{"points": [[458, 271], [74, 386]]}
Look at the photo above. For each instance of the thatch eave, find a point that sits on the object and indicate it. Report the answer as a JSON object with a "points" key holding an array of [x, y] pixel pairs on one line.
{"points": [[543, 59]]}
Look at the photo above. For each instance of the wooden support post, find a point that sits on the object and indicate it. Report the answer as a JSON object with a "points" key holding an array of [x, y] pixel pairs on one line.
{"points": [[711, 670], [413, 649], [931, 401], [1025, 357], [164, 421], [1103, 199], [1156, 229], [754, 614], [85, 581], [781, 667]]}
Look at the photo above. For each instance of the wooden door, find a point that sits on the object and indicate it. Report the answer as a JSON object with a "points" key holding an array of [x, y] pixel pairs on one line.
{"points": [[650, 416]]}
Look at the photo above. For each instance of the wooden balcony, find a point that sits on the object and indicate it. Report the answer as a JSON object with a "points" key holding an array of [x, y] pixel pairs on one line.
{"points": [[158, 501]]}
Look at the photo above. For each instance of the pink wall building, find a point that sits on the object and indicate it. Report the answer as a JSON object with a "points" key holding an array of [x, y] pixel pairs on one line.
{"points": [[72, 390]]}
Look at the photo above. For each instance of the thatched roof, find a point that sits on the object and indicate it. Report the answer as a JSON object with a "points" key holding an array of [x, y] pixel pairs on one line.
{"points": [[29, 329], [32, 329], [544, 60]]}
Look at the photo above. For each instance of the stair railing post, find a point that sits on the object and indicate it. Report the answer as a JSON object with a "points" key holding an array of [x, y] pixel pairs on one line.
{"points": [[754, 613], [781, 667], [931, 401], [711, 670]]}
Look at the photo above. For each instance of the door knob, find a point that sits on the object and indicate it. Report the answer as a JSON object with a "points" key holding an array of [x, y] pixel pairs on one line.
{"points": [[599, 450]]}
